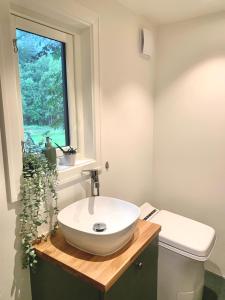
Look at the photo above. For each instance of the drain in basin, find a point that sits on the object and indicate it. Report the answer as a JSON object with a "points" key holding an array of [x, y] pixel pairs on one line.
{"points": [[99, 227]]}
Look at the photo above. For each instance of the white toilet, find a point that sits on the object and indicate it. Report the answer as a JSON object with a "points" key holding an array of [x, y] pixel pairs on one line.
{"points": [[184, 246]]}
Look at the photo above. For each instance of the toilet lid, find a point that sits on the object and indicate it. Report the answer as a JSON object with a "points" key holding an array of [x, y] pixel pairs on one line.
{"points": [[184, 234]]}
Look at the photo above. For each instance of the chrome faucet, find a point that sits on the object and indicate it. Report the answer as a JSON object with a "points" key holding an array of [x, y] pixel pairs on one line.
{"points": [[94, 181]]}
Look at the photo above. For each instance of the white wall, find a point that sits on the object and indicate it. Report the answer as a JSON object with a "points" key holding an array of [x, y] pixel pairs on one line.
{"points": [[126, 135], [189, 151], [127, 113]]}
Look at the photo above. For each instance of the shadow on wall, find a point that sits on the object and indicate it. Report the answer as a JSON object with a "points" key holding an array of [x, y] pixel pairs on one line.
{"points": [[198, 45], [20, 289]]}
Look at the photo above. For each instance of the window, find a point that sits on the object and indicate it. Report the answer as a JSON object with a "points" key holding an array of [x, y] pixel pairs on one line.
{"points": [[78, 30], [45, 63], [42, 72]]}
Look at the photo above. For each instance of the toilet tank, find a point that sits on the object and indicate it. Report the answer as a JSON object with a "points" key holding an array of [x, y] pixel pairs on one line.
{"points": [[185, 236]]}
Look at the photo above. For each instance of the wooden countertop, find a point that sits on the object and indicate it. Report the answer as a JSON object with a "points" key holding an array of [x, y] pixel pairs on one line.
{"points": [[102, 272]]}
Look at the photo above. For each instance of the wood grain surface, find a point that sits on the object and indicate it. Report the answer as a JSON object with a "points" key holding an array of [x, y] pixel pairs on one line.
{"points": [[102, 272]]}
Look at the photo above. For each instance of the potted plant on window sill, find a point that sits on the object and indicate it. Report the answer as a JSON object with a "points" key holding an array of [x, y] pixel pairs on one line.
{"points": [[69, 156]]}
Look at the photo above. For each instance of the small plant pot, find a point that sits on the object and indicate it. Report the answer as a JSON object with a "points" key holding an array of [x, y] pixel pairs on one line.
{"points": [[67, 159]]}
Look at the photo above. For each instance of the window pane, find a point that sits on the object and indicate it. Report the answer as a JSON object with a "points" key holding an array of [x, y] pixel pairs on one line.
{"points": [[43, 87]]}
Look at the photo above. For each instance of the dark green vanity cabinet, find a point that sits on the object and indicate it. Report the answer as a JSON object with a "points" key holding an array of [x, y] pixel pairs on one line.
{"points": [[138, 282]]}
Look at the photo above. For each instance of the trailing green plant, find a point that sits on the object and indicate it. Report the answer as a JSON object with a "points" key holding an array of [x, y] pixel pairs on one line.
{"points": [[38, 199]]}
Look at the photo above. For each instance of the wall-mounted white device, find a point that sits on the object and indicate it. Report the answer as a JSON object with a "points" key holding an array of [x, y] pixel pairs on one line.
{"points": [[147, 42]]}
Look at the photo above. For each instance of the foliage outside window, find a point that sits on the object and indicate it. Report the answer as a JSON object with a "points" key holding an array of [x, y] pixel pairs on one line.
{"points": [[43, 87]]}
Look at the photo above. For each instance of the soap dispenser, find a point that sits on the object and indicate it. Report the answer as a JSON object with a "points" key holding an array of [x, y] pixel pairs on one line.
{"points": [[50, 152]]}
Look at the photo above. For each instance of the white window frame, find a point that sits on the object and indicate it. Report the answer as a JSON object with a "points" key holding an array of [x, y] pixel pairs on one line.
{"points": [[82, 24], [68, 40]]}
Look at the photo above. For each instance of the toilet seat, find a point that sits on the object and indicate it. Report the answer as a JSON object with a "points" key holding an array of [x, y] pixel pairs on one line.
{"points": [[183, 235]]}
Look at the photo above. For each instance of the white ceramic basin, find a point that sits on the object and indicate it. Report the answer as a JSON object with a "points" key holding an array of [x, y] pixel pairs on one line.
{"points": [[119, 218]]}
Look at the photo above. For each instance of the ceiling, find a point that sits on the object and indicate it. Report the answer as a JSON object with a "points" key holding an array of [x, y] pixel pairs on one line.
{"points": [[168, 11]]}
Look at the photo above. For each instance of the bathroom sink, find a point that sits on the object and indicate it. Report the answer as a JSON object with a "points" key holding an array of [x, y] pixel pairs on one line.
{"points": [[99, 225]]}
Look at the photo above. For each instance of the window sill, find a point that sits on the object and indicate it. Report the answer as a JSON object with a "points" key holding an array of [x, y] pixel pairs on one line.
{"points": [[68, 175], [78, 163]]}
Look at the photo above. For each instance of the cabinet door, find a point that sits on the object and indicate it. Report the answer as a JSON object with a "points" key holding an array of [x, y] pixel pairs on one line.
{"points": [[51, 282], [139, 282]]}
